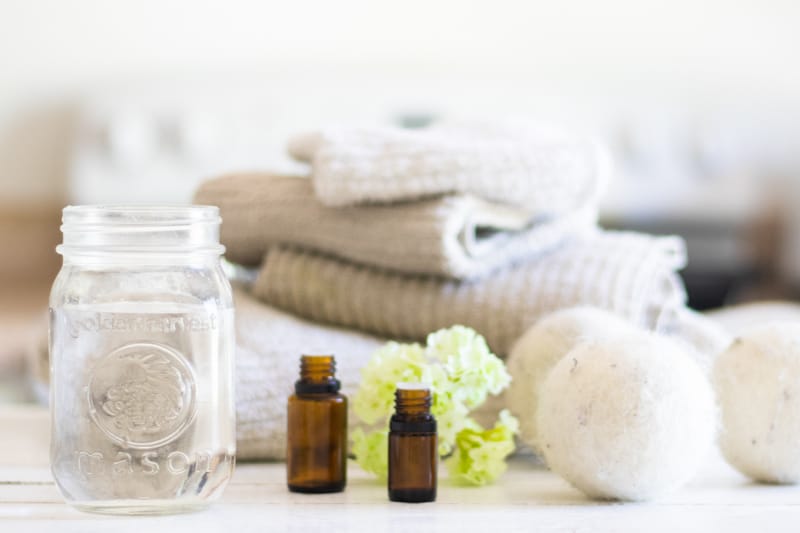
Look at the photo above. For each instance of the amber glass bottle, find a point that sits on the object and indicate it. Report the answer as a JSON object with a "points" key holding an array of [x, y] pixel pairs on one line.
{"points": [[413, 453], [316, 455]]}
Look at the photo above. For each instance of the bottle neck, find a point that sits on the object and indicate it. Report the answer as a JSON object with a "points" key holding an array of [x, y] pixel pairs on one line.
{"points": [[412, 402], [413, 410], [317, 375]]}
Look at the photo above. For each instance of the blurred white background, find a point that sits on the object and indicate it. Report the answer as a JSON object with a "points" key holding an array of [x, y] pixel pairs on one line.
{"points": [[128, 100], [714, 75]]}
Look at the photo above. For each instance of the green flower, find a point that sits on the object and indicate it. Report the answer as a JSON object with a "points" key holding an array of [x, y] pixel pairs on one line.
{"points": [[480, 455], [471, 367], [371, 451], [391, 364], [462, 372]]}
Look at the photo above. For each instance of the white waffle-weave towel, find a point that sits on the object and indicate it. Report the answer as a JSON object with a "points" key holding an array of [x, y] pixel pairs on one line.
{"points": [[269, 344], [543, 169]]}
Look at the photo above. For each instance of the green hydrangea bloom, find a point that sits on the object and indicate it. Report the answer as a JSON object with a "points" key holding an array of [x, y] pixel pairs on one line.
{"points": [[371, 451], [473, 370], [480, 455], [391, 364], [462, 372]]}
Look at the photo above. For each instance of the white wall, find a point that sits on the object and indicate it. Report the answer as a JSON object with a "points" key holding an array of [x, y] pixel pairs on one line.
{"points": [[735, 55]]}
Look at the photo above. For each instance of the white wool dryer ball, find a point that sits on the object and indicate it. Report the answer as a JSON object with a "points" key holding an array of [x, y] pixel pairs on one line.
{"points": [[542, 346], [626, 419], [757, 381]]}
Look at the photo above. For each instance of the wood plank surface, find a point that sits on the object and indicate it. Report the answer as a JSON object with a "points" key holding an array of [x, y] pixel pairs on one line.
{"points": [[527, 498]]}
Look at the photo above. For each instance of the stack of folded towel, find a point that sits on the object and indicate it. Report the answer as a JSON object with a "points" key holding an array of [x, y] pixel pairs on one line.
{"points": [[398, 233]]}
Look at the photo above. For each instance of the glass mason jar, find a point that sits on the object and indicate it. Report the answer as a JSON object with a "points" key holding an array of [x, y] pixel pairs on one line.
{"points": [[141, 360]]}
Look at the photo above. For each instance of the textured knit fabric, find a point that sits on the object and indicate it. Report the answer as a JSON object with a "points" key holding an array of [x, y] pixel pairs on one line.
{"points": [[633, 275], [269, 344], [544, 170], [456, 236]]}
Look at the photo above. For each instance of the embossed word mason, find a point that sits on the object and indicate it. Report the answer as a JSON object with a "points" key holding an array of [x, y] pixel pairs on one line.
{"points": [[90, 464], [141, 360], [123, 322]]}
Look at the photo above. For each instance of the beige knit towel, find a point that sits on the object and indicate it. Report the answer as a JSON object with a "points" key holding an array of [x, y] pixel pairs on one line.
{"points": [[631, 274], [456, 236], [543, 169], [268, 348]]}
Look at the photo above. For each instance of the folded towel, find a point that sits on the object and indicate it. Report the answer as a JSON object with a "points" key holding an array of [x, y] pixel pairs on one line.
{"points": [[268, 348], [455, 236], [631, 274], [546, 171]]}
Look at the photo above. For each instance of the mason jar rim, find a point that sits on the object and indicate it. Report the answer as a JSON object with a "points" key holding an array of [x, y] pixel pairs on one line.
{"points": [[138, 229], [120, 214]]}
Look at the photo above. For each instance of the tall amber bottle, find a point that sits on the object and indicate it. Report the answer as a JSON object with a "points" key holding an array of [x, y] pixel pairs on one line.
{"points": [[316, 455], [413, 453]]}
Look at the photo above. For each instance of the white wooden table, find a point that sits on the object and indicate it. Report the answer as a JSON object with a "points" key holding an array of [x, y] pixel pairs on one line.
{"points": [[526, 499]]}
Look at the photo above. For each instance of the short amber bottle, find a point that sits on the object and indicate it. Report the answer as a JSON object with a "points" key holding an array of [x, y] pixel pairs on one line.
{"points": [[413, 453], [316, 455]]}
